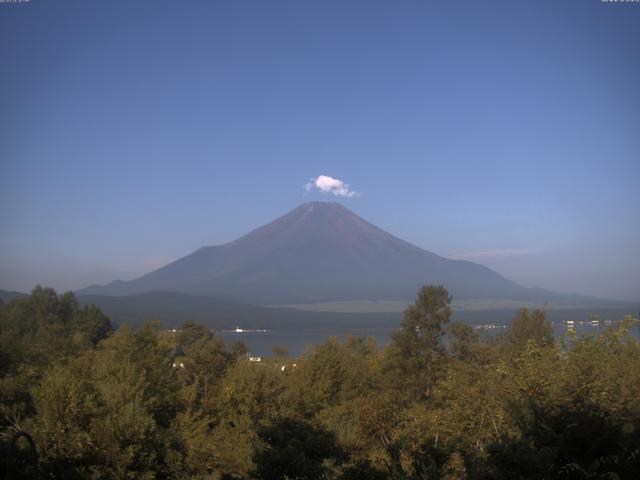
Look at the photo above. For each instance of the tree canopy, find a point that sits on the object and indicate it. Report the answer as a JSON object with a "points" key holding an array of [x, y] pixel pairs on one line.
{"points": [[442, 400]]}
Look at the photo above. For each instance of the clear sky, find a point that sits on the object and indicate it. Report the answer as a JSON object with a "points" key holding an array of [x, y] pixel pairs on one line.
{"points": [[508, 133]]}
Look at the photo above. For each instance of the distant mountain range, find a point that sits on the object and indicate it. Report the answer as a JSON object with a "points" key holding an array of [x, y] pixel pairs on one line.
{"points": [[318, 252], [7, 296]]}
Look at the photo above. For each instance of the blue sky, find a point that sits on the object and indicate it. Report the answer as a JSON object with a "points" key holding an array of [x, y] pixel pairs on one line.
{"points": [[133, 132]]}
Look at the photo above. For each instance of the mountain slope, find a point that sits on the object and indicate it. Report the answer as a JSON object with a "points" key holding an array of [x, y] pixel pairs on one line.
{"points": [[7, 296], [317, 252]]}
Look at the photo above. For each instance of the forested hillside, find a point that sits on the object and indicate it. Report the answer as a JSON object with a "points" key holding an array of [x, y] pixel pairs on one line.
{"points": [[439, 402]]}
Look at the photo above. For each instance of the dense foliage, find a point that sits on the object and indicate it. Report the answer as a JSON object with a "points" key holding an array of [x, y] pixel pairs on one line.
{"points": [[439, 402]]}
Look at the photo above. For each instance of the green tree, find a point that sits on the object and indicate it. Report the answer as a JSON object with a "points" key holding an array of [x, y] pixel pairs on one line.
{"points": [[202, 362], [528, 325], [417, 351], [294, 449], [280, 351], [464, 341]]}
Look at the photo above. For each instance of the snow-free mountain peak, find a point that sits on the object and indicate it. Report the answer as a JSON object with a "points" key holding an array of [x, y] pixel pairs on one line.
{"points": [[317, 252]]}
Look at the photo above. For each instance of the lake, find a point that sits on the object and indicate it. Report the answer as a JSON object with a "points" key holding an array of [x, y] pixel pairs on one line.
{"points": [[260, 343]]}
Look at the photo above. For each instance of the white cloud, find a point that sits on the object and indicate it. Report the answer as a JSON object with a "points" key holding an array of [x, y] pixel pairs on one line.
{"points": [[326, 184]]}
